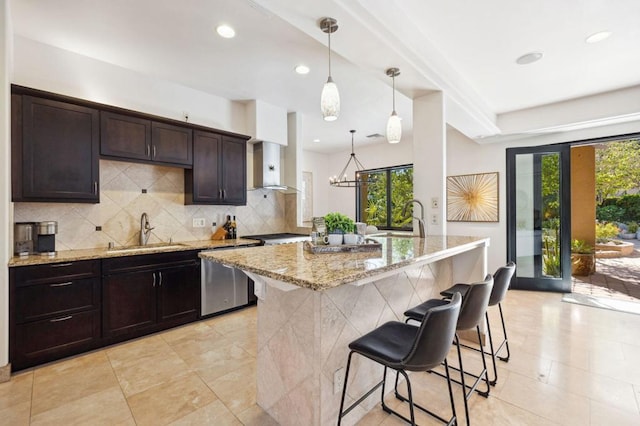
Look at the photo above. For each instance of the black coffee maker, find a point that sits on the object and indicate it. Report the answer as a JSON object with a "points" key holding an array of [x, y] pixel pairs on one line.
{"points": [[46, 237]]}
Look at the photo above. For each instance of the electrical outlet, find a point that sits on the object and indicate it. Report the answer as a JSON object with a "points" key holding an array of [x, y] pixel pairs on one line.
{"points": [[435, 203], [198, 222], [434, 219], [338, 380]]}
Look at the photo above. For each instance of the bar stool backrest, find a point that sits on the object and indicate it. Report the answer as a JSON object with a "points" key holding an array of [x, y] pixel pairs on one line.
{"points": [[434, 338], [475, 303], [501, 281]]}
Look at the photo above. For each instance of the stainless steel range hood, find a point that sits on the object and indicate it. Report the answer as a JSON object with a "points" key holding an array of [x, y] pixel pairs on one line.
{"points": [[266, 166]]}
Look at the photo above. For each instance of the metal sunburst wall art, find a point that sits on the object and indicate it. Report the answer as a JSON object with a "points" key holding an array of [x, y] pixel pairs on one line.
{"points": [[472, 198]]}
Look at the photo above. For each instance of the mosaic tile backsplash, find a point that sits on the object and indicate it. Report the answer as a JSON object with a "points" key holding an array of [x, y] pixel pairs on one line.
{"points": [[122, 202]]}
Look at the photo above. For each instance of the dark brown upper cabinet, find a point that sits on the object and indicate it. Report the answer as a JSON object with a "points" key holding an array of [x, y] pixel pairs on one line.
{"points": [[219, 174], [171, 144], [54, 151], [125, 137], [57, 141]]}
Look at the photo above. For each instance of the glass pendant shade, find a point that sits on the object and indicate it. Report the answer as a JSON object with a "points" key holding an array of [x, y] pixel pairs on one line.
{"points": [[394, 128], [330, 98], [330, 101], [394, 124]]}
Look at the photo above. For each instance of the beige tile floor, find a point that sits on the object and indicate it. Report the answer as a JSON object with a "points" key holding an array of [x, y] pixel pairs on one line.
{"points": [[570, 365]]}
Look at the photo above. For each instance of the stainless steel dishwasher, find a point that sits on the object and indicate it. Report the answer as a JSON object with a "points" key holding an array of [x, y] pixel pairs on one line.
{"points": [[222, 288]]}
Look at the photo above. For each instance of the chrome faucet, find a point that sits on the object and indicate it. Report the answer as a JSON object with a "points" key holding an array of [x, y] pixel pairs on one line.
{"points": [[419, 219], [145, 229]]}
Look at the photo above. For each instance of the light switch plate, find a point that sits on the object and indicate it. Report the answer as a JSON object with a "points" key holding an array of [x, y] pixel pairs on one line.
{"points": [[435, 203], [198, 222]]}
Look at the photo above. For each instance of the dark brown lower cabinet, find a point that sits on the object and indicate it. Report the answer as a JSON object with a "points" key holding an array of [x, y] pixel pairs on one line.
{"points": [[62, 309], [130, 302], [54, 338], [144, 294], [54, 311]]}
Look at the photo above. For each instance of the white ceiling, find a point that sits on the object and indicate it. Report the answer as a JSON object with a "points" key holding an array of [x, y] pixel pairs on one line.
{"points": [[466, 48]]}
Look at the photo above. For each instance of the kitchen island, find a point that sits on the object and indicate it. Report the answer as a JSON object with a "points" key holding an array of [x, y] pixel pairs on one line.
{"points": [[311, 306]]}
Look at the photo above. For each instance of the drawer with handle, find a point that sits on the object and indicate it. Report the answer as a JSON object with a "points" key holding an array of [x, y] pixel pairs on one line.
{"points": [[30, 275], [62, 335], [56, 298]]}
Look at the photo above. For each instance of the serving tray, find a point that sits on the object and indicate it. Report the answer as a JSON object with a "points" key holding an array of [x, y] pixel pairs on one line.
{"points": [[368, 246]]}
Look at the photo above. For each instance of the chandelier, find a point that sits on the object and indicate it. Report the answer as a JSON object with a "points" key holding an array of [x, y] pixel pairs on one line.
{"points": [[342, 178]]}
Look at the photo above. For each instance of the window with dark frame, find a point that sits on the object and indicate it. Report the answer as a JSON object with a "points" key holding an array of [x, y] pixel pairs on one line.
{"points": [[380, 200]]}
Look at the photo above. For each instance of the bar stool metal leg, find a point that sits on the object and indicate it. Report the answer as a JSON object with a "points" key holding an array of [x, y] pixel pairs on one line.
{"points": [[363, 397], [453, 420], [505, 342], [493, 353]]}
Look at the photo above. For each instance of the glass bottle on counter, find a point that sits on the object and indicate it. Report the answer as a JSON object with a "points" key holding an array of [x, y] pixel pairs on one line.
{"points": [[227, 227], [234, 229]]}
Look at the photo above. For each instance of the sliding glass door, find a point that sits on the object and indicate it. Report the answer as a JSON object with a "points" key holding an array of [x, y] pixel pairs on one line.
{"points": [[539, 215]]}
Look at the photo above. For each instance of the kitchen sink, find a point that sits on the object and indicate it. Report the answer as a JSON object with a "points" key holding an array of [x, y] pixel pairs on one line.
{"points": [[148, 247]]}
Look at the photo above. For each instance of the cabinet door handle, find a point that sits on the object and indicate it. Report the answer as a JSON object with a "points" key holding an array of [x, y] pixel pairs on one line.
{"points": [[61, 265], [68, 317], [154, 279], [224, 194], [160, 280], [61, 284], [154, 151], [95, 186], [220, 193]]}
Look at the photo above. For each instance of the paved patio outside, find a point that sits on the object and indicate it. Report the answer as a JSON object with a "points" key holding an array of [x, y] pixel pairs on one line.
{"points": [[617, 278]]}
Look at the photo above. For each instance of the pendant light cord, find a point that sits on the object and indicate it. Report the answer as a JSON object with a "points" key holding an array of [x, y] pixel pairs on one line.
{"points": [[393, 79], [329, 33]]}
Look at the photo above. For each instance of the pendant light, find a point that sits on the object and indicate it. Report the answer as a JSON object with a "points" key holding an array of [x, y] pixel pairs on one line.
{"points": [[342, 178], [394, 124], [330, 98]]}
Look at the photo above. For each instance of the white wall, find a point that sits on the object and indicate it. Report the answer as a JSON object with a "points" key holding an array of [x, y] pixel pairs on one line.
{"points": [[5, 172], [467, 157], [430, 153], [55, 70]]}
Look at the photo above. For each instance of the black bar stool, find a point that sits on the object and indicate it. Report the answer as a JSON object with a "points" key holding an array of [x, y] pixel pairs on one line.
{"points": [[474, 307], [404, 347], [501, 281]]}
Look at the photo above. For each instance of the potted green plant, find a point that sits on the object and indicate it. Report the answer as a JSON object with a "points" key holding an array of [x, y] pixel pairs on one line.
{"points": [[583, 258], [338, 223]]}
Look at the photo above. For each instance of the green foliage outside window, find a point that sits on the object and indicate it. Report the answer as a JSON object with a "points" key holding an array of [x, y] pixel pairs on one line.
{"points": [[606, 231], [382, 199], [617, 168]]}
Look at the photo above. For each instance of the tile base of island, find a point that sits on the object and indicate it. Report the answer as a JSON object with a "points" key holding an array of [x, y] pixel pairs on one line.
{"points": [[311, 306]]}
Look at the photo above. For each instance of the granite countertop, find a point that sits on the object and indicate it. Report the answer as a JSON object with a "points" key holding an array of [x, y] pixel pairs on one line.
{"points": [[290, 263], [102, 253]]}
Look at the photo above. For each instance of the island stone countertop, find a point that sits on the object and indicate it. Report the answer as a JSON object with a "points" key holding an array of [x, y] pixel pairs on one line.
{"points": [[103, 253], [290, 263]]}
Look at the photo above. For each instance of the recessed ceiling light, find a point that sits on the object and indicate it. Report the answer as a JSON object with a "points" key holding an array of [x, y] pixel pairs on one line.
{"points": [[316, 140], [225, 31], [529, 58], [302, 69], [599, 36]]}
